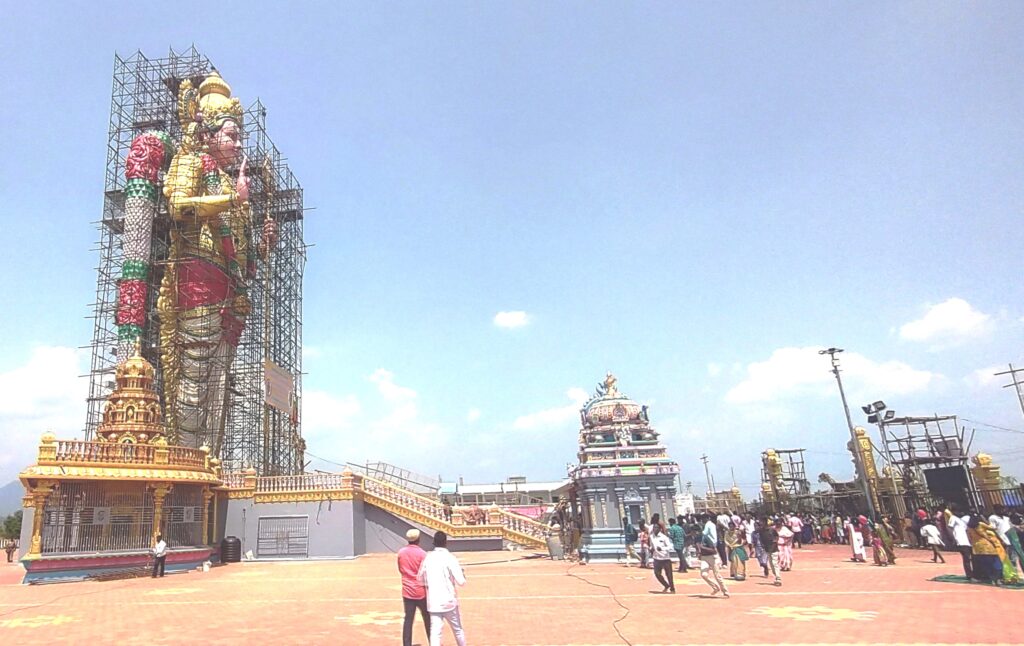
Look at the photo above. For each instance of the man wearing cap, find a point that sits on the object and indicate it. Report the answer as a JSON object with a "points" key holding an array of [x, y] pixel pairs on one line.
{"points": [[414, 595]]}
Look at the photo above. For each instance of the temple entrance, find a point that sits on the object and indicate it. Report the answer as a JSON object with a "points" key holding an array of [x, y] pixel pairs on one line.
{"points": [[634, 514]]}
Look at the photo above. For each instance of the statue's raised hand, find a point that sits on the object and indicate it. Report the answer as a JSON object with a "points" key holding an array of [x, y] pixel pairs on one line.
{"points": [[242, 185]]}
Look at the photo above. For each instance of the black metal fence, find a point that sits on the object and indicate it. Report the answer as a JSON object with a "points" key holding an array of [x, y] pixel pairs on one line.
{"points": [[85, 517]]}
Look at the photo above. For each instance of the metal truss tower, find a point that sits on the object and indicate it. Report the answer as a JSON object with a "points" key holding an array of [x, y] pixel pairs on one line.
{"points": [[145, 98]]}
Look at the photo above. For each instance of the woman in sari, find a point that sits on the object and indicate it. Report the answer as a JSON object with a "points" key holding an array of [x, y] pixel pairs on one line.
{"points": [[886, 532], [734, 539], [786, 548], [987, 553]]}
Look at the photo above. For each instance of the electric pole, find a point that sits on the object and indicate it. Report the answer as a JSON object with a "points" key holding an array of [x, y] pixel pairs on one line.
{"points": [[857, 457], [1016, 384], [707, 473]]}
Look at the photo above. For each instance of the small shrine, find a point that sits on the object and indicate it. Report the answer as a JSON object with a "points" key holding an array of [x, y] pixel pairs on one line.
{"points": [[96, 506], [624, 471]]}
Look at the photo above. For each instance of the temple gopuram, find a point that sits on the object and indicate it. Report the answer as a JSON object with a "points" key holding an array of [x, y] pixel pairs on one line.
{"points": [[623, 471]]}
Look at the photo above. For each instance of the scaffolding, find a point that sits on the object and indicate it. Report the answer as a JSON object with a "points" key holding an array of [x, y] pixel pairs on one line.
{"points": [[792, 479], [932, 458], [145, 96]]}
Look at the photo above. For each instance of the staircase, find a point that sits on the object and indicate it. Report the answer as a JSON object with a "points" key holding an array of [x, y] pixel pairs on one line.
{"points": [[392, 498], [430, 513]]}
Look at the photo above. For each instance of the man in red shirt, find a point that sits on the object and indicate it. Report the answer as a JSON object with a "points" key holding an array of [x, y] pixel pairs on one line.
{"points": [[414, 594]]}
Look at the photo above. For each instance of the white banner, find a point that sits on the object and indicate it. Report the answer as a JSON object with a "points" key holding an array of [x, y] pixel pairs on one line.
{"points": [[278, 385]]}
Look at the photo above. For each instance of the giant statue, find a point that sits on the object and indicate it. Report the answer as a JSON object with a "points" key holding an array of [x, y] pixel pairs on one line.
{"points": [[202, 303]]}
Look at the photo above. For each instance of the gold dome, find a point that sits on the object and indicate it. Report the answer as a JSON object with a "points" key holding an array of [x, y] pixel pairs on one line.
{"points": [[132, 414]]}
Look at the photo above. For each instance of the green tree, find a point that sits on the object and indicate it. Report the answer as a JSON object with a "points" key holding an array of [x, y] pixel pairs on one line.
{"points": [[12, 526]]}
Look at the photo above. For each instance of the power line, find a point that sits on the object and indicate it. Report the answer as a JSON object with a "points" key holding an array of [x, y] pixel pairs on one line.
{"points": [[993, 426]]}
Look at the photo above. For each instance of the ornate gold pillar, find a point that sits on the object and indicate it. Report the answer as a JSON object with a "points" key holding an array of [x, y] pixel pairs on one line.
{"points": [[207, 497], [39, 495], [160, 491]]}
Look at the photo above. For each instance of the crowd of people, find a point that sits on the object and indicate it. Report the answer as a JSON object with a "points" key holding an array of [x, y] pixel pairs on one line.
{"points": [[991, 548]]}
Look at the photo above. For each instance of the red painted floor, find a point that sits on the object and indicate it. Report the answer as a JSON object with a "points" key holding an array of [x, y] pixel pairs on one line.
{"points": [[824, 600]]}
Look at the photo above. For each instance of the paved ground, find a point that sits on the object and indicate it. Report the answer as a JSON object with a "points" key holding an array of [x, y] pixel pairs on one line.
{"points": [[826, 599]]}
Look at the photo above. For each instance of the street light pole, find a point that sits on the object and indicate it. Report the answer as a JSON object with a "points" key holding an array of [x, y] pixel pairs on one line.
{"points": [[881, 414], [861, 468]]}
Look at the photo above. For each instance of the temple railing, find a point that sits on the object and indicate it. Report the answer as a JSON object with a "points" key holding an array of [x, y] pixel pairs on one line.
{"points": [[74, 451], [53, 452], [303, 482], [459, 522]]}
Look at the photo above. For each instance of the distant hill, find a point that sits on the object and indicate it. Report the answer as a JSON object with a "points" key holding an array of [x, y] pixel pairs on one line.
{"points": [[10, 498]]}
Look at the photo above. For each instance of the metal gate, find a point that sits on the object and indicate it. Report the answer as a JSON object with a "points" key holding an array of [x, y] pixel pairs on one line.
{"points": [[283, 537]]}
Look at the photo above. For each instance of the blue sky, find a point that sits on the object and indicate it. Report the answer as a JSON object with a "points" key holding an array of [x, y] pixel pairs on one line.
{"points": [[693, 198]]}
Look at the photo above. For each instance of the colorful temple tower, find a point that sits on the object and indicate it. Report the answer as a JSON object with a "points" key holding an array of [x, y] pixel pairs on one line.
{"points": [[623, 471]]}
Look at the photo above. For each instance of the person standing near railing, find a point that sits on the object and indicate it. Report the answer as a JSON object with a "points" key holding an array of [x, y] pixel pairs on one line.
{"points": [[159, 556]]}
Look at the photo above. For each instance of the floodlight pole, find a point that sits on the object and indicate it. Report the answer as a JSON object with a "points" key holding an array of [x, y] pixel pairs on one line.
{"points": [[857, 458], [901, 508]]}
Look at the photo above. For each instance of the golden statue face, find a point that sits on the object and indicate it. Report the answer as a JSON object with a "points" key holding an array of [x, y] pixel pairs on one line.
{"points": [[225, 145]]}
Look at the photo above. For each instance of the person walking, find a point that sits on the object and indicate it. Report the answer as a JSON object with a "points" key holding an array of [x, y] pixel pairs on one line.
{"points": [[661, 554], [762, 556], [957, 525], [887, 534], [734, 539], [644, 539], [159, 556], [769, 537], [630, 536], [930, 536], [678, 538], [414, 595], [796, 525], [11, 547], [440, 572], [708, 550], [786, 538], [1016, 536], [722, 526]]}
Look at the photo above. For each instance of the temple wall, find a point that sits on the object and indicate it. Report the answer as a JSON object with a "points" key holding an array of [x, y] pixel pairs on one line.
{"points": [[330, 524], [336, 529], [27, 514]]}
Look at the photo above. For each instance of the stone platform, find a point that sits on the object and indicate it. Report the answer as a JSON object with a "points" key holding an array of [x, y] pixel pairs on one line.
{"points": [[825, 600]]}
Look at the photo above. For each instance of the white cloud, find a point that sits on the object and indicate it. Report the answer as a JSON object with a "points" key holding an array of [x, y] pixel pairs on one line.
{"points": [[948, 322], [552, 418], [325, 414], [985, 377], [794, 372], [511, 319], [473, 415], [385, 425], [44, 394], [386, 386], [714, 369]]}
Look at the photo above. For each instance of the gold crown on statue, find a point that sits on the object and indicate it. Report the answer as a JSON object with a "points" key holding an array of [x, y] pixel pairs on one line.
{"points": [[209, 106]]}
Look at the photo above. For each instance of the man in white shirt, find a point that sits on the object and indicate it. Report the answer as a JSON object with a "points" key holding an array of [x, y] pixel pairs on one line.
{"points": [[440, 571], [930, 534], [957, 525], [1001, 523], [159, 555], [723, 526], [661, 548], [797, 527]]}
